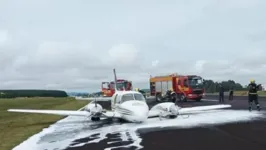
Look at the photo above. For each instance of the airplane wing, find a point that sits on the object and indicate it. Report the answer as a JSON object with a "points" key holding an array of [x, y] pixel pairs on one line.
{"points": [[202, 108], [107, 114], [54, 112], [97, 98], [153, 113], [196, 109]]}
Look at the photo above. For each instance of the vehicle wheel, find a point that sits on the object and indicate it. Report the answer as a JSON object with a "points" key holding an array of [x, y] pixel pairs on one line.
{"points": [[198, 99], [183, 98], [178, 97], [95, 118], [158, 97], [174, 98]]}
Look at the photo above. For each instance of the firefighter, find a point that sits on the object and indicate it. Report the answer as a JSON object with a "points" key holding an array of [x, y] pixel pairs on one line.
{"points": [[253, 95], [168, 92], [221, 94], [171, 94], [231, 93]]}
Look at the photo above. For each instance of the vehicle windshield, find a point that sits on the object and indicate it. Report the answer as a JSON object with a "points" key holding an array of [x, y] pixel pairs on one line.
{"points": [[128, 97], [195, 81], [120, 85]]}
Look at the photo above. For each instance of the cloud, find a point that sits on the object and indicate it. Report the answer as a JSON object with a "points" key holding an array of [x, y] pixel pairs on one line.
{"points": [[75, 47], [3, 37], [123, 55]]}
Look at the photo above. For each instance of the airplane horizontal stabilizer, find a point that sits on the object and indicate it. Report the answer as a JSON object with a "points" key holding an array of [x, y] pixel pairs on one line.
{"points": [[54, 112], [202, 108]]}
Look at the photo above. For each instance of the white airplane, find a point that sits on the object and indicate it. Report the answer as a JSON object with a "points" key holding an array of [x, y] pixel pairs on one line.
{"points": [[130, 106]]}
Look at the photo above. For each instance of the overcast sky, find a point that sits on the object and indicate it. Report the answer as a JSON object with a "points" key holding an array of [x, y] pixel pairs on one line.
{"points": [[74, 44]]}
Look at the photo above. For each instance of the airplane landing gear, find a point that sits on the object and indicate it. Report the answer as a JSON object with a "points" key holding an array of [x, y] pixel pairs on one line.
{"points": [[95, 118]]}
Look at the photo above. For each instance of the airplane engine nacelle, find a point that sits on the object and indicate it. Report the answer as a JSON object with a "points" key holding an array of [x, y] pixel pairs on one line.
{"points": [[167, 108], [94, 109]]}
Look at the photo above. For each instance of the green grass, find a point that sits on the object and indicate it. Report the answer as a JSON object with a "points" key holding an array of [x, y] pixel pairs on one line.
{"points": [[240, 93], [17, 127]]}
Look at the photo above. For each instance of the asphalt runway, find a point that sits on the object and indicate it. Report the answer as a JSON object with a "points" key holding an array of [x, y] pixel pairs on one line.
{"points": [[231, 136]]}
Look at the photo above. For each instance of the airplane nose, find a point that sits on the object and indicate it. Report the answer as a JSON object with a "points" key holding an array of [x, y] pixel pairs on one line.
{"points": [[142, 114], [137, 111]]}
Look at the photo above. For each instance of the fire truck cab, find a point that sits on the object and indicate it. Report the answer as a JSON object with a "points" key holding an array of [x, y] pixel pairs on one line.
{"points": [[185, 86], [108, 88]]}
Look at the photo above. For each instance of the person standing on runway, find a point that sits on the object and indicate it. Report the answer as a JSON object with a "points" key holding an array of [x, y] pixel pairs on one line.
{"points": [[253, 95], [221, 94], [231, 93]]}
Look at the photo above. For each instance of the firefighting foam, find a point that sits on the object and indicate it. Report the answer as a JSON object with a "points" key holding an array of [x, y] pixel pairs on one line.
{"points": [[69, 132]]}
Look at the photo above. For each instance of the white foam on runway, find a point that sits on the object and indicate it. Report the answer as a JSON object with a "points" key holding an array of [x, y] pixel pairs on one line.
{"points": [[62, 134]]}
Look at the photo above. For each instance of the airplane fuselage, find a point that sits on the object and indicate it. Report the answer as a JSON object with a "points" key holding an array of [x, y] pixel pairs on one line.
{"points": [[133, 111]]}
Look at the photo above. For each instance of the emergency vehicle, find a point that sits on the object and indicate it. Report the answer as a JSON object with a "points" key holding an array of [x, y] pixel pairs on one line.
{"points": [[108, 88], [185, 86]]}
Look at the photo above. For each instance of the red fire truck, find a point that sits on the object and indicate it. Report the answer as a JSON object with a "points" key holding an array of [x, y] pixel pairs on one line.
{"points": [[108, 88], [185, 86]]}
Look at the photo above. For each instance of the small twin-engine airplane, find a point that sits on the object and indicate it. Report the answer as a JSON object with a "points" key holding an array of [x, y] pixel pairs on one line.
{"points": [[130, 106]]}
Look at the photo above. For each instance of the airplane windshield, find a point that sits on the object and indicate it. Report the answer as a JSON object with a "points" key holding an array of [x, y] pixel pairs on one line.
{"points": [[139, 97], [130, 97], [127, 97]]}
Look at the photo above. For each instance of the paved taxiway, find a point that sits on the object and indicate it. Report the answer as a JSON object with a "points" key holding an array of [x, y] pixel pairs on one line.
{"points": [[245, 135]]}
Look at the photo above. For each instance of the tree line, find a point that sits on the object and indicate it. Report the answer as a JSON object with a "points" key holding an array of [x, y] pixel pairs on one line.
{"points": [[32, 93], [209, 85], [212, 87]]}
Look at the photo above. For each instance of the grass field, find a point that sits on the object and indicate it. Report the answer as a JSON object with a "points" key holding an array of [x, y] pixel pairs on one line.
{"points": [[17, 127], [241, 93]]}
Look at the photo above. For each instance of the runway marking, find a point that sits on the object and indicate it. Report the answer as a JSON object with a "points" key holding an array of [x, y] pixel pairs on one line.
{"points": [[73, 132]]}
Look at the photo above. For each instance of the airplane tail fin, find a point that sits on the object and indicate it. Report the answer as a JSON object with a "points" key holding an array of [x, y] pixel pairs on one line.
{"points": [[115, 80]]}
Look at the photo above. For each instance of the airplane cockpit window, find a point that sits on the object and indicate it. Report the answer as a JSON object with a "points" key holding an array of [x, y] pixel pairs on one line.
{"points": [[127, 97], [139, 97]]}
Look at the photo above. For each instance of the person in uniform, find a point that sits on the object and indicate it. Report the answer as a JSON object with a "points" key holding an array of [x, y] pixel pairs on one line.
{"points": [[171, 94], [221, 94], [231, 93], [253, 95]]}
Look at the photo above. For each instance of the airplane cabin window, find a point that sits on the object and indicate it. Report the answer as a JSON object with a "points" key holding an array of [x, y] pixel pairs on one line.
{"points": [[139, 97], [127, 97]]}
